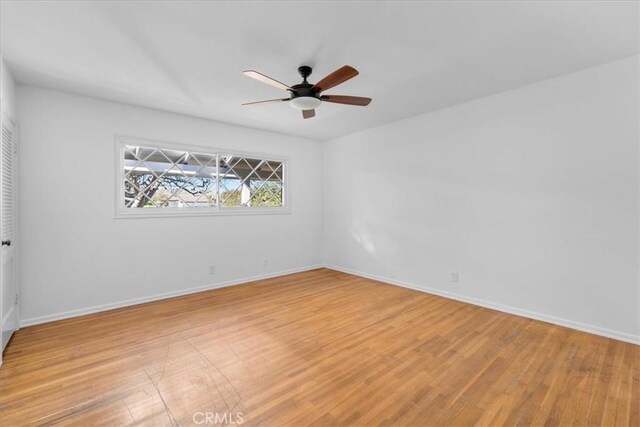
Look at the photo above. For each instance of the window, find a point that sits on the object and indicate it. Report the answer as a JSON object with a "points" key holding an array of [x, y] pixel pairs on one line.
{"points": [[155, 179]]}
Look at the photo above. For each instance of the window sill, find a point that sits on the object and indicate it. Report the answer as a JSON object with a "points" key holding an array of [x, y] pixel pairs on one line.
{"points": [[182, 213]]}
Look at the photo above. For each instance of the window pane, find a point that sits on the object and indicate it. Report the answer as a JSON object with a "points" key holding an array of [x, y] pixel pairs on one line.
{"points": [[158, 178], [250, 182]]}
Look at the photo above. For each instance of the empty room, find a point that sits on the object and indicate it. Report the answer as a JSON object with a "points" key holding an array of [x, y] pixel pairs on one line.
{"points": [[327, 213]]}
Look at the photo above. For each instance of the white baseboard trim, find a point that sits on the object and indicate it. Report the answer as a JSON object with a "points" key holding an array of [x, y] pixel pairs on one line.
{"points": [[622, 336], [126, 303]]}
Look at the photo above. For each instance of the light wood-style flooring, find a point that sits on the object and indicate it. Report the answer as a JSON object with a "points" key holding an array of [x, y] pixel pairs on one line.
{"points": [[315, 348]]}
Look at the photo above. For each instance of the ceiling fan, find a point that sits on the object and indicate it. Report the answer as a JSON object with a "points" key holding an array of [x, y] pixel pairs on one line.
{"points": [[306, 96]]}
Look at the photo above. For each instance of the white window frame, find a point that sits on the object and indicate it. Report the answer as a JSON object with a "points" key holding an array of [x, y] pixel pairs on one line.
{"points": [[123, 212]]}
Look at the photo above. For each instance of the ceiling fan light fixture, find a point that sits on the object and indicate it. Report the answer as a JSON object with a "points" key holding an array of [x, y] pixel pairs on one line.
{"points": [[305, 102]]}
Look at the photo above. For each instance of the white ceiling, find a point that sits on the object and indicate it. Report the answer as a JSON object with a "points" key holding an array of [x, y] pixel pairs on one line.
{"points": [[413, 57]]}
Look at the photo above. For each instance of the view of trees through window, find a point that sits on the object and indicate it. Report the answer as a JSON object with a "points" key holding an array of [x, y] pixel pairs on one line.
{"points": [[167, 178]]}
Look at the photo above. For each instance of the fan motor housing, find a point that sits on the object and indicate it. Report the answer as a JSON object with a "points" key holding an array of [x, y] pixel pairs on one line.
{"points": [[303, 89]]}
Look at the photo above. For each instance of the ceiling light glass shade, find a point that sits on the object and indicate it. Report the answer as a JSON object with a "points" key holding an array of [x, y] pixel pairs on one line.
{"points": [[305, 102]]}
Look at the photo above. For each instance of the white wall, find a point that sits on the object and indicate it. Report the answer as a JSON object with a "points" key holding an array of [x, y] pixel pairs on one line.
{"points": [[75, 257], [531, 195]]}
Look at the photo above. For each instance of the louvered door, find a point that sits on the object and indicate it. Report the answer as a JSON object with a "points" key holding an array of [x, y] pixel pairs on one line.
{"points": [[8, 285]]}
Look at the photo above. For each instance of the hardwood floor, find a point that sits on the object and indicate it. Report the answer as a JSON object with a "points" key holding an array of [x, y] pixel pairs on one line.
{"points": [[321, 348]]}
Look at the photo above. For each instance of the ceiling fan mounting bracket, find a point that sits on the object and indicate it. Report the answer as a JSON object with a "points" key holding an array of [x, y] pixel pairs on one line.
{"points": [[305, 71]]}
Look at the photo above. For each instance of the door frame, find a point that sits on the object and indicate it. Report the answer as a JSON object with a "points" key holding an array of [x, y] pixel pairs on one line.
{"points": [[6, 118]]}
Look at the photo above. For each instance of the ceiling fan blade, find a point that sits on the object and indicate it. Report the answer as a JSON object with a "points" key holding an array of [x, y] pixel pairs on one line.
{"points": [[266, 101], [307, 114], [349, 100], [265, 79], [341, 75]]}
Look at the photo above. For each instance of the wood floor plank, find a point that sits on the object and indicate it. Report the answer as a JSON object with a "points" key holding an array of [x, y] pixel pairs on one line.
{"points": [[316, 348]]}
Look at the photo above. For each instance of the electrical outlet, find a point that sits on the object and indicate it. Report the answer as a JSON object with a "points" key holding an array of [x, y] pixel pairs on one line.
{"points": [[212, 269], [455, 277]]}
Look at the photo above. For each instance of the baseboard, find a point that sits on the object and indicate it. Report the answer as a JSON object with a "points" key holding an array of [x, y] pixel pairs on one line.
{"points": [[596, 330], [622, 336], [126, 303]]}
